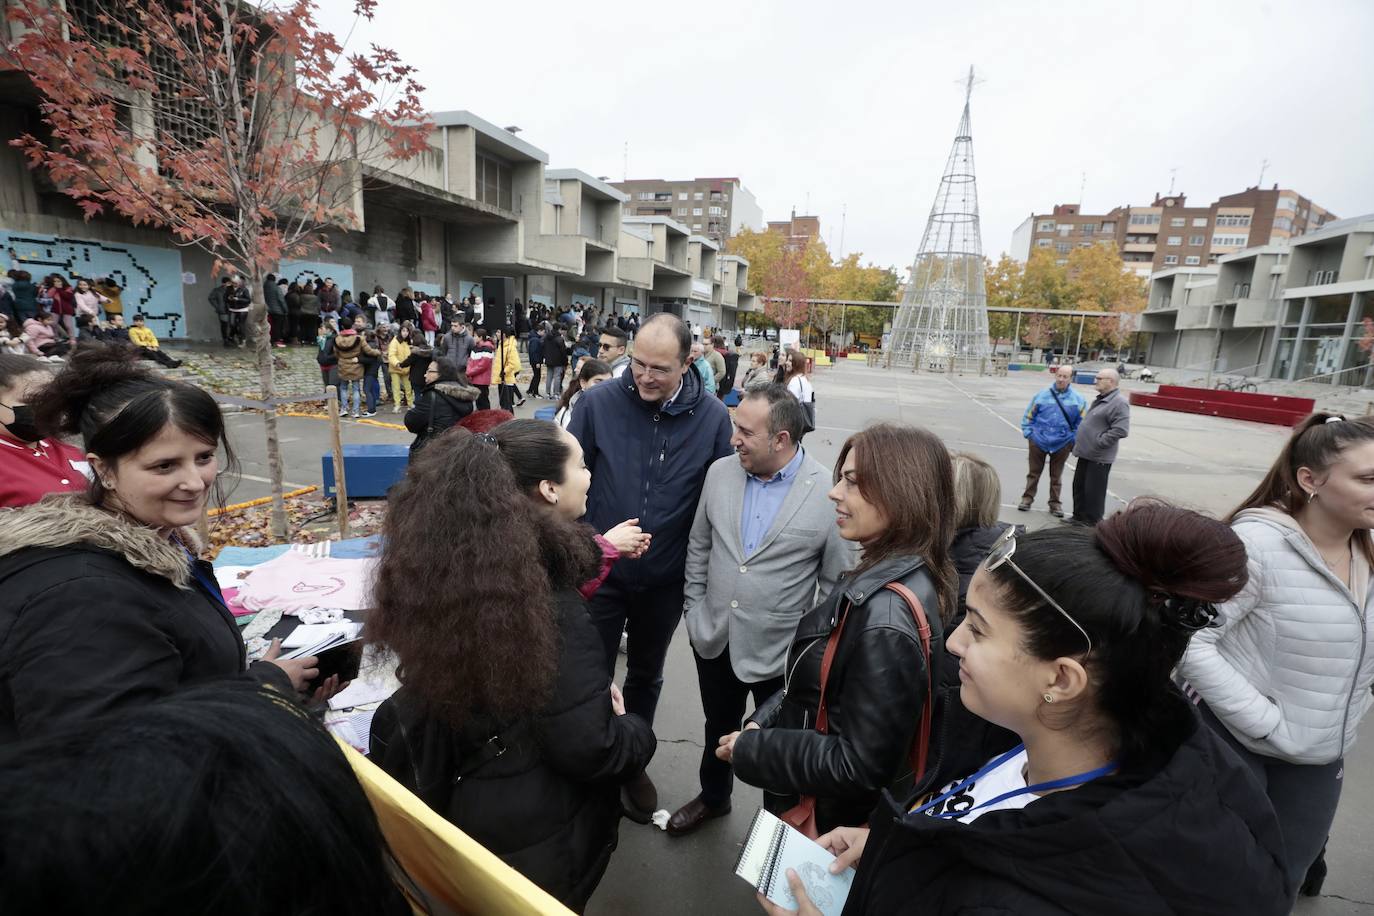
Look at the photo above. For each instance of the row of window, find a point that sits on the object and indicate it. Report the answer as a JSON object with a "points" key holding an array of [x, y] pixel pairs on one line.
{"points": [[1230, 241], [1233, 221], [1191, 260], [1194, 240], [696, 211], [681, 195]]}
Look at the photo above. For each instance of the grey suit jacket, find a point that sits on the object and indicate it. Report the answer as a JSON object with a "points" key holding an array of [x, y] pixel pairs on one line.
{"points": [[753, 603]]}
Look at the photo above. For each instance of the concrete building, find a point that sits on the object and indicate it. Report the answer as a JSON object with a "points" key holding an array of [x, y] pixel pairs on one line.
{"points": [[479, 202], [716, 208], [1293, 309], [1169, 233]]}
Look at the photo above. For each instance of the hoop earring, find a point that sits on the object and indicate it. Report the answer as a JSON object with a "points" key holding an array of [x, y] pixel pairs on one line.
{"points": [[1311, 496], [1049, 698]]}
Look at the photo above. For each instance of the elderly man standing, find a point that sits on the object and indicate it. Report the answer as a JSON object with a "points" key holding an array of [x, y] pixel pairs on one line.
{"points": [[1049, 425], [1106, 423], [764, 545], [648, 438]]}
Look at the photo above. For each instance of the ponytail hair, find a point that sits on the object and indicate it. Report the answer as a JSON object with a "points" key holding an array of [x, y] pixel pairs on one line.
{"points": [[1316, 444], [117, 406], [1140, 584]]}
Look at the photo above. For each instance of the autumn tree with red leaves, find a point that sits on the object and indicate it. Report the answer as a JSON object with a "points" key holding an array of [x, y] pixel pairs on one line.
{"points": [[242, 129]]}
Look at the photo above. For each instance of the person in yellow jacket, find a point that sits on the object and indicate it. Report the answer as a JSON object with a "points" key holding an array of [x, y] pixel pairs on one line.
{"points": [[397, 352], [505, 368], [142, 335]]}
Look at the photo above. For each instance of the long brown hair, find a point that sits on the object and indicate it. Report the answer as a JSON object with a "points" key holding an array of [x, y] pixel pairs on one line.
{"points": [[906, 472], [1316, 444], [486, 644]]}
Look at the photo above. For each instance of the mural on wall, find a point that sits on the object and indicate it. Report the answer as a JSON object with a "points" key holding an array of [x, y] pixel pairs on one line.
{"points": [[420, 286], [301, 271], [581, 301], [467, 288], [150, 277]]}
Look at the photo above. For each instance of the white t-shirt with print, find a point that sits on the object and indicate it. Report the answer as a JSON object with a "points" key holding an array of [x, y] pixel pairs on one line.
{"points": [[1008, 777]]}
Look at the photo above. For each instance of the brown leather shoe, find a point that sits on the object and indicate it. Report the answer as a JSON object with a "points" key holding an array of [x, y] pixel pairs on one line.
{"points": [[692, 815]]}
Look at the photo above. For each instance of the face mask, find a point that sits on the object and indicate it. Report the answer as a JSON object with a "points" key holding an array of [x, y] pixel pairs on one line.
{"points": [[22, 427]]}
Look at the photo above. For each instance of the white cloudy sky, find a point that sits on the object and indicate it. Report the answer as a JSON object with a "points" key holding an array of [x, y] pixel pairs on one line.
{"points": [[852, 105]]}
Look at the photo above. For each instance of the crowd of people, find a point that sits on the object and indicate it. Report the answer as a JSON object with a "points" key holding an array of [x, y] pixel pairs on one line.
{"points": [[1142, 713]]}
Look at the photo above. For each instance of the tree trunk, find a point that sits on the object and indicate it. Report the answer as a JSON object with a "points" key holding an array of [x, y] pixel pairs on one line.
{"points": [[262, 349]]}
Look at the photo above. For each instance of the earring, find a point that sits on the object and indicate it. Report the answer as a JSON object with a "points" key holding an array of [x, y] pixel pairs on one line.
{"points": [[1311, 496], [1049, 698]]}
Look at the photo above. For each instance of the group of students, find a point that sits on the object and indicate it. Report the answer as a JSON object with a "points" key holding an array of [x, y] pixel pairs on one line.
{"points": [[1144, 716]]}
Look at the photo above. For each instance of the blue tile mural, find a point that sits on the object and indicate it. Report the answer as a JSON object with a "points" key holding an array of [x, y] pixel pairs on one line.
{"points": [[150, 277], [420, 286], [301, 271]]}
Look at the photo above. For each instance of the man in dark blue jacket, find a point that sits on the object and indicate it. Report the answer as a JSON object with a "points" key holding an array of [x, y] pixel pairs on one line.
{"points": [[648, 437]]}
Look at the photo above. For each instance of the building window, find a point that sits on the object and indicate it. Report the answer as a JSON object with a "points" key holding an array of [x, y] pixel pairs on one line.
{"points": [[1088, 228], [1192, 259], [1199, 222], [681, 211], [494, 182], [1174, 240], [1287, 202], [713, 211], [1043, 243], [696, 195], [1046, 225], [1062, 247], [1283, 223], [1060, 262], [1228, 241], [681, 195], [1171, 259], [1233, 220], [1109, 227], [1178, 221], [1085, 244], [696, 227], [1144, 219], [696, 211], [646, 195], [1197, 240], [1065, 228]]}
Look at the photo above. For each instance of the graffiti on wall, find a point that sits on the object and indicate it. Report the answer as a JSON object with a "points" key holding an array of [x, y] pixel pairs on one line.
{"points": [[302, 271], [149, 277]]}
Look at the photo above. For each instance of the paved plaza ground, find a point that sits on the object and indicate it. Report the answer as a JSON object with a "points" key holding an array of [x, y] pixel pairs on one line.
{"points": [[1205, 463]]}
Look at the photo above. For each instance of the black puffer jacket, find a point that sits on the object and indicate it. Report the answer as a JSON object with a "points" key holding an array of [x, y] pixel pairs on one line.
{"points": [[874, 699], [98, 613], [1192, 834], [437, 409], [549, 806]]}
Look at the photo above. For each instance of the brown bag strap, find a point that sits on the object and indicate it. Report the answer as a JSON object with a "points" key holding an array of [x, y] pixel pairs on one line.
{"points": [[920, 750], [828, 659]]}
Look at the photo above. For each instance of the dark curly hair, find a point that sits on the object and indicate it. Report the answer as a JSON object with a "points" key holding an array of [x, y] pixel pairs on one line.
{"points": [[486, 645]]}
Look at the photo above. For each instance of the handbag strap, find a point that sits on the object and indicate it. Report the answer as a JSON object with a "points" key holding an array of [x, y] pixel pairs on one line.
{"points": [[920, 751]]}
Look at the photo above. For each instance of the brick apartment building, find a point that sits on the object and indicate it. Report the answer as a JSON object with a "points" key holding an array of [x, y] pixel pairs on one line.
{"points": [[798, 229], [1169, 233], [716, 208]]}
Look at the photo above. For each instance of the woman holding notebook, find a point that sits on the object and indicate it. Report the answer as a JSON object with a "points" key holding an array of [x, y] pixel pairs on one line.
{"points": [[858, 673], [1077, 778]]}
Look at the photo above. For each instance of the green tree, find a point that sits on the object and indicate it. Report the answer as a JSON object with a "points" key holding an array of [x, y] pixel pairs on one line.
{"points": [[1003, 283]]}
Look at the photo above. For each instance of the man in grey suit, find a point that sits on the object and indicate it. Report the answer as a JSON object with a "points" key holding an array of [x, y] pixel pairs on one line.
{"points": [[763, 549]]}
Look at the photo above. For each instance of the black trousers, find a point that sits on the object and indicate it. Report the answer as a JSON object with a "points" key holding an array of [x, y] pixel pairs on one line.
{"points": [[1090, 490], [723, 696], [507, 395], [536, 371], [483, 397], [649, 617]]}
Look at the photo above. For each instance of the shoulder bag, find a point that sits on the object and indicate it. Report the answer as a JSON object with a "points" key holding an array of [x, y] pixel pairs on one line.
{"points": [[1073, 427], [803, 815]]}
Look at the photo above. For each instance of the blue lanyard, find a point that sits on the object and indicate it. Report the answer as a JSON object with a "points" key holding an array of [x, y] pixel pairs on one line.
{"points": [[1064, 783]]}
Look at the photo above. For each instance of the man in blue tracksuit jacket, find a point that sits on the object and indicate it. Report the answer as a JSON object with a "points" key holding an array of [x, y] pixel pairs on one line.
{"points": [[648, 437], [1049, 425]]}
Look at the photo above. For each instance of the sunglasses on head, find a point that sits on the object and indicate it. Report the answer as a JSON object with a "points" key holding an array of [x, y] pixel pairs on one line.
{"points": [[1001, 555]]}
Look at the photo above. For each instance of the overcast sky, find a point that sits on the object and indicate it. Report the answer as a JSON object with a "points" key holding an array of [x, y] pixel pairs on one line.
{"points": [[852, 106]]}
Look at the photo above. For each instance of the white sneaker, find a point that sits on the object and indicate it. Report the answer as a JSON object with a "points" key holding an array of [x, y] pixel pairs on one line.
{"points": [[396, 409]]}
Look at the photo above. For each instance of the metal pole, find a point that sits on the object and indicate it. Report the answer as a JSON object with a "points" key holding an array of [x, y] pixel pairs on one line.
{"points": [[1016, 338], [340, 485], [1078, 346], [1212, 357]]}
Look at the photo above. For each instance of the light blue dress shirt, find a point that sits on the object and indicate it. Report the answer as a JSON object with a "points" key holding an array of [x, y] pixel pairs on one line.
{"points": [[762, 500]]}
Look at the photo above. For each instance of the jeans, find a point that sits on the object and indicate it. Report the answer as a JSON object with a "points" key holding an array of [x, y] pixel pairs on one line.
{"points": [[1304, 797], [650, 616], [1090, 490], [372, 389], [723, 696], [1057, 460], [553, 385], [352, 399]]}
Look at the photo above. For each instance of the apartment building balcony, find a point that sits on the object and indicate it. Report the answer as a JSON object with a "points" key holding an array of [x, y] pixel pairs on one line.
{"points": [[1139, 247], [1255, 313]]}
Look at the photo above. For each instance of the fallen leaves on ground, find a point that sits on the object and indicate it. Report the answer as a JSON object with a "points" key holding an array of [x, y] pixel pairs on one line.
{"points": [[311, 518]]}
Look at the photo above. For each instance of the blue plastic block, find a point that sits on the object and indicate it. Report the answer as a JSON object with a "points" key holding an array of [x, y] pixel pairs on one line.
{"points": [[369, 470]]}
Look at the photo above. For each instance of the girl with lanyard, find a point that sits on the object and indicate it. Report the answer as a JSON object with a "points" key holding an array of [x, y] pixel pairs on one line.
{"points": [[105, 604], [1069, 773]]}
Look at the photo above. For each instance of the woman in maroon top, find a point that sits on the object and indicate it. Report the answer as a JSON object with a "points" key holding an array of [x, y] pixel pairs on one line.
{"points": [[30, 465], [64, 303]]}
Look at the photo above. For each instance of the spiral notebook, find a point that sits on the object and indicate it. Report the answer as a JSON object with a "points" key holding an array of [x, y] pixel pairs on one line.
{"points": [[772, 847]]}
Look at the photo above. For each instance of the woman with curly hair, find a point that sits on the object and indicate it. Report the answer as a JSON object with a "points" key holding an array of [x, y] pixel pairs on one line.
{"points": [[506, 722]]}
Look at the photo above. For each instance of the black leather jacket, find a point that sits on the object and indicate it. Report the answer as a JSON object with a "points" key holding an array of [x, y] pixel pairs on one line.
{"points": [[874, 700]]}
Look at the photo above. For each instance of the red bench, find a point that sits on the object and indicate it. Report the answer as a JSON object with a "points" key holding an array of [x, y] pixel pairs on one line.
{"points": [[1235, 405]]}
